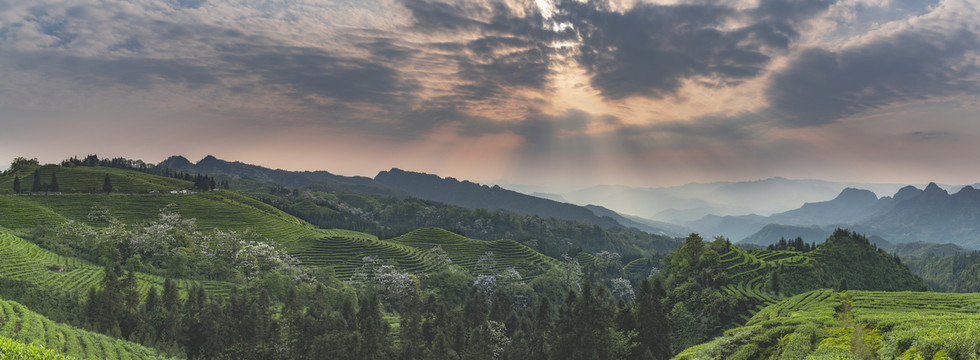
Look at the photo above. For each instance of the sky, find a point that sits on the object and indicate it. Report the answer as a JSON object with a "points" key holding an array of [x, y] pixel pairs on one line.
{"points": [[561, 92]]}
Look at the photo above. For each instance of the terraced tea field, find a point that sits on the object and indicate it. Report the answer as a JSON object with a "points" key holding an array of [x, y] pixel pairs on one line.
{"points": [[22, 325], [466, 252], [23, 260], [345, 254], [824, 324], [345, 251], [748, 272]]}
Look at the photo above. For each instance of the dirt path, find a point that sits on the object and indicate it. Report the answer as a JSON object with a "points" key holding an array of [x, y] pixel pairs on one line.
{"points": [[858, 347]]}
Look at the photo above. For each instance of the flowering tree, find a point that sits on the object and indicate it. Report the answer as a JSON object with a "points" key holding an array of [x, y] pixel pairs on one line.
{"points": [[439, 256], [622, 289], [254, 257]]}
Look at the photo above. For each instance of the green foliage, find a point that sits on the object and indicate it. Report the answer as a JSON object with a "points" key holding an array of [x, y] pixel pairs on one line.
{"points": [[19, 323], [21, 163], [826, 325], [956, 273], [13, 350], [23, 260]]}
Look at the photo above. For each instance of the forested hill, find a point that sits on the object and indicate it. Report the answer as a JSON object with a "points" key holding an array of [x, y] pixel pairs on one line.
{"points": [[473, 195], [717, 285], [321, 180]]}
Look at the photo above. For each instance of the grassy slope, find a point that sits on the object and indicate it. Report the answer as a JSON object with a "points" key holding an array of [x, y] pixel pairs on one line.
{"points": [[855, 324], [90, 179], [22, 325]]}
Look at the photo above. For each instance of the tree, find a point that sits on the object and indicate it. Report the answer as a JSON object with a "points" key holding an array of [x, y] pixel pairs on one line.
{"points": [[774, 282], [651, 319], [21, 163], [842, 286], [36, 185], [53, 186], [107, 184], [16, 184]]}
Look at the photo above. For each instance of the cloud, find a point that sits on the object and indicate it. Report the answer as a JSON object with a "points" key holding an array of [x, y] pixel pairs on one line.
{"points": [[495, 50], [821, 86], [929, 135], [95, 73], [307, 72], [649, 50]]}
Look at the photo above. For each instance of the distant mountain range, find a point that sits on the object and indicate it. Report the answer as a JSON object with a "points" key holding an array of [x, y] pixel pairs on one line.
{"points": [[679, 204], [912, 215]]}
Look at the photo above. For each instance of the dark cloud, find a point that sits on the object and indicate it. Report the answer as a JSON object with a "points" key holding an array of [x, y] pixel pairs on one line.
{"points": [[821, 86], [650, 49], [309, 71], [439, 16], [385, 49], [107, 73], [510, 51], [186, 4]]}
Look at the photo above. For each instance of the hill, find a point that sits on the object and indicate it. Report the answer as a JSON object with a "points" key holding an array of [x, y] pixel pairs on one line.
{"points": [[90, 179], [956, 273], [322, 180], [923, 249], [844, 255], [725, 284], [473, 195], [649, 226], [854, 324], [771, 233], [225, 210], [24, 326]]}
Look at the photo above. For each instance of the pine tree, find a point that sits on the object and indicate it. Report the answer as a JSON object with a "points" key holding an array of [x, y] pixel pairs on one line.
{"points": [[107, 184], [110, 303], [53, 187], [373, 330], [129, 320], [542, 327], [651, 320], [16, 184], [36, 185], [774, 282]]}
